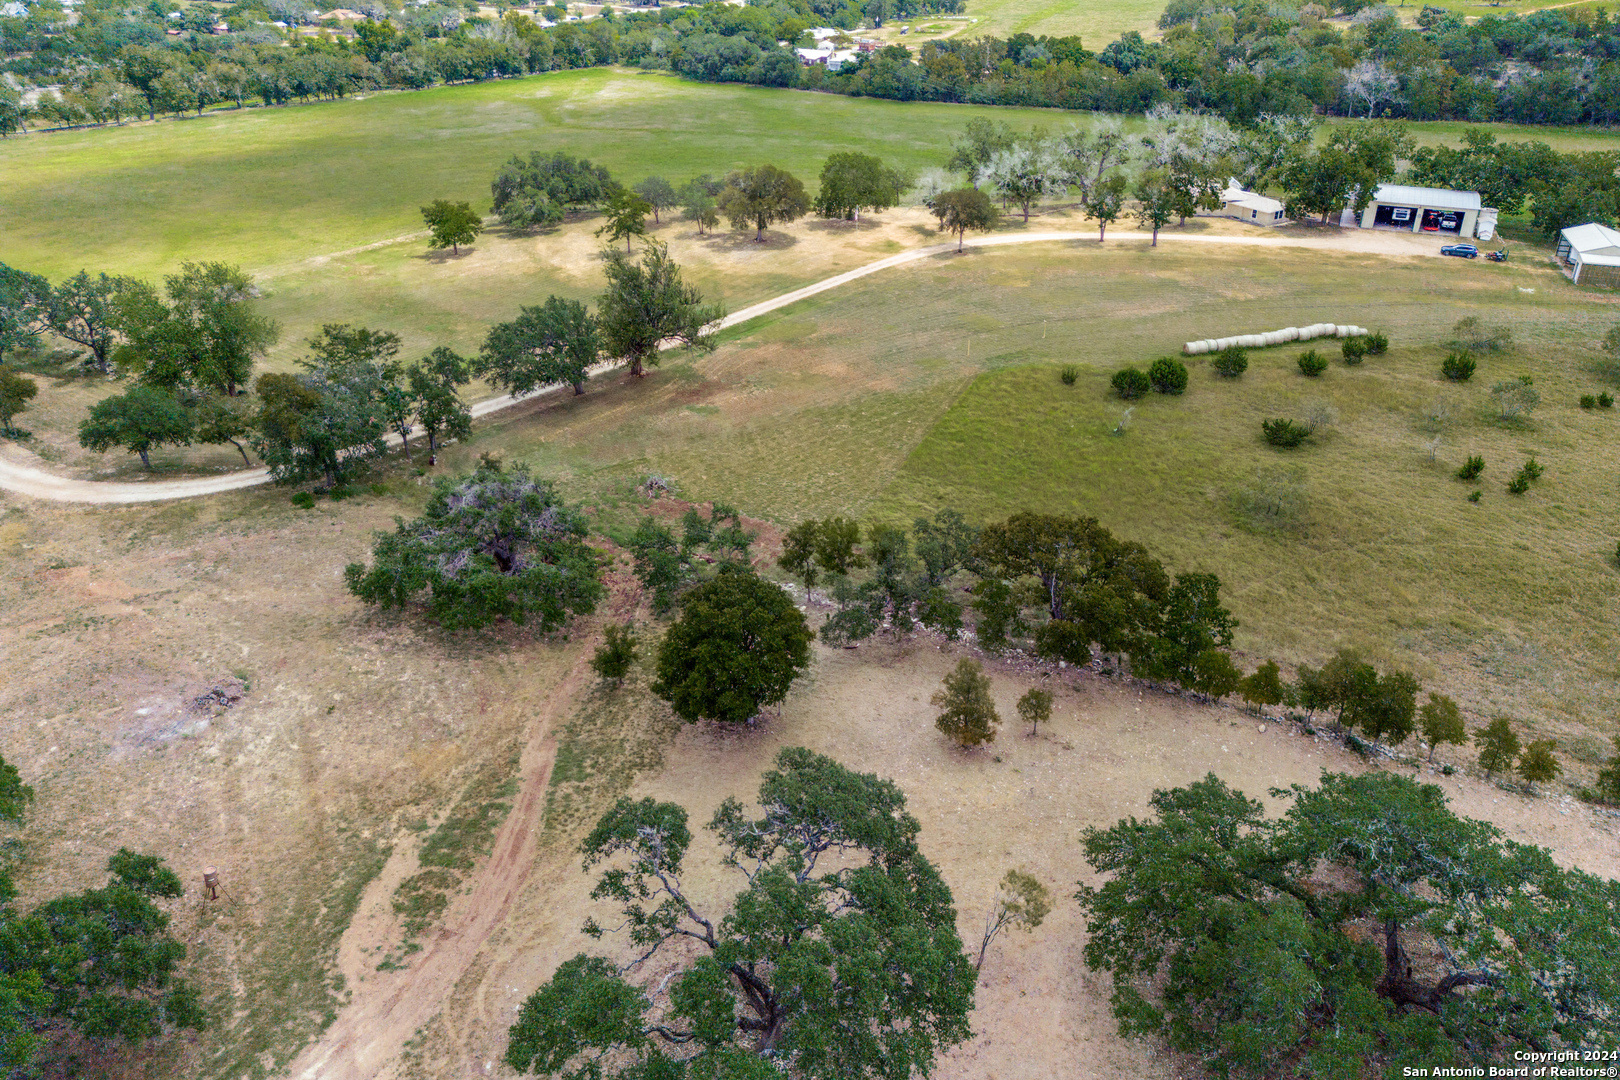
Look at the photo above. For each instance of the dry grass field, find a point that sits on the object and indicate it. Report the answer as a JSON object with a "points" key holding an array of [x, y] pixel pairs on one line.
{"points": [[359, 798]]}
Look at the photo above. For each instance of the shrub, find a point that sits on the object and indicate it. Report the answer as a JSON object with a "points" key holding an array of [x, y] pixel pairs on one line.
{"points": [[1283, 432], [1069, 374], [304, 500], [1273, 500], [1588, 401], [1476, 336], [1533, 468], [1605, 400], [1130, 383], [1377, 344], [617, 652], [1458, 366], [1520, 483], [1312, 364], [1473, 496], [1515, 398], [1354, 350], [1230, 362], [1319, 415], [1471, 468], [1168, 375]]}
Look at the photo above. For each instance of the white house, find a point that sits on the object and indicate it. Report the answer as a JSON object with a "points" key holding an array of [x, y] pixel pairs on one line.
{"points": [[13, 10], [1421, 209], [1593, 249], [1250, 206]]}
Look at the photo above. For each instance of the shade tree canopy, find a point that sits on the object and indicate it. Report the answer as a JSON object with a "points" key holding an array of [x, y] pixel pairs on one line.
{"points": [[432, 383], [552, 344], [647, 303], [963, 210], [737, 647], [139, 420], [761, 196], [538, 191], [332, 417], [1367, 930], [625, 215], [16, 391], [840, 953], [25, 301], [499, 544], [451, 224], [200, 334], [852, 182]]}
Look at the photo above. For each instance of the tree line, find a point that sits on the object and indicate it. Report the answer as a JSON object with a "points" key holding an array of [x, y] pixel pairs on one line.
{"points": [[1559, 66], [188, 353]]}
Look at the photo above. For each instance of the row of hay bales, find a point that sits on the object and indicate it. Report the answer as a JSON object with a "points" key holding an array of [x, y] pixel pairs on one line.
{"points": [[1273, 337]]}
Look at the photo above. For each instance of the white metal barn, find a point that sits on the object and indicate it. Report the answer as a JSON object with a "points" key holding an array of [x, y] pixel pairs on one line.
{"points": [[1422, 210], [1592, 250]]}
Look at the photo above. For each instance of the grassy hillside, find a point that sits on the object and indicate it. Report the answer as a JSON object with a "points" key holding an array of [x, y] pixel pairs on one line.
{"points": [[1096, 21], [937, 385]]}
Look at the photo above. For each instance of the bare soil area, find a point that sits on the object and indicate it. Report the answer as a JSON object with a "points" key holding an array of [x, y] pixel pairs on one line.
{"points": [[1022, 802]]}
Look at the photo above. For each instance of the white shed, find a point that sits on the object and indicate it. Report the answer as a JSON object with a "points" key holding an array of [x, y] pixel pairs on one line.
{"points": [[1244, 205], [1422, 209], [1591, 247]]}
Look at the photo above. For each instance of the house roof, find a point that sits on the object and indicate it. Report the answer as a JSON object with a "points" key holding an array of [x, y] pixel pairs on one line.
{"points": [[1596, 244], [1433, 198], [1250, 200]]}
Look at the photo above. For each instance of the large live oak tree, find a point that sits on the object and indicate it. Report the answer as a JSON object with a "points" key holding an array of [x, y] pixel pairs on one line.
{"points": [[1367, 929], [839, 958], [498, 544]]}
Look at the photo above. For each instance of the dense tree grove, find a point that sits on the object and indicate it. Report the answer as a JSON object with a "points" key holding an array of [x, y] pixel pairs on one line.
{"points": [[1548, 67], [1366, 930], [840, 953]]}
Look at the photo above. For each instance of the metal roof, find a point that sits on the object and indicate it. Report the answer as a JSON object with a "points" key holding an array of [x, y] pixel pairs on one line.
{"points": [[1430, 197], [1596, 243]]}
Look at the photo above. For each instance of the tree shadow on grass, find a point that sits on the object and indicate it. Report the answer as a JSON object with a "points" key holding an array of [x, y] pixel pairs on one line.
{"points": [[738, 240], [842, 225], [446, 255]]}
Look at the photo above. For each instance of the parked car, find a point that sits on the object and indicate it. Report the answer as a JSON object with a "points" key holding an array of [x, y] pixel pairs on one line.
{"points": [[1462, 251]]}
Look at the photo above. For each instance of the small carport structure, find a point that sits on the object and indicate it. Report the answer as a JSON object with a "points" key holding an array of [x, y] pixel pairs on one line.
{"points": [[1591, 250], [1422, 209]]}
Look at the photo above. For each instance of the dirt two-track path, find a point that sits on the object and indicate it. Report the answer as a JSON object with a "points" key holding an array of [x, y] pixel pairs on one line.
{"points": [[386, 1010], [19, 476]]}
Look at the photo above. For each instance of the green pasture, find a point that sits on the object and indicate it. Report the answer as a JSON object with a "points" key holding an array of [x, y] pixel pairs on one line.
{"points": [[272, 188], [937, 385], [1096, 21]]}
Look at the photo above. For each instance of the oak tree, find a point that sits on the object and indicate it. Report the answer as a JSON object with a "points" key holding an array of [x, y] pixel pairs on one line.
{"points": [[840, 953], [499, 544], [967, 712]]}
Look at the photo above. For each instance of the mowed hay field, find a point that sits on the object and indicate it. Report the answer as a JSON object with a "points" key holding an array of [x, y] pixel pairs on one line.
{"points": [[937, 385]]}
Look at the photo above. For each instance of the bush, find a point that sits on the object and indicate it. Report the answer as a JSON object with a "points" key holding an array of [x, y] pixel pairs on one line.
{"points": [[1458, 366], [1354, 350], [304, 500], [1515, 398], [1272, 501], [1320, 415], [1069, 374], [1520, 483], [1533, 468], [1605, 400], [1473, 496], [1481, 337], [1471, 468], [1312, 364], [1168, 375], [1284, 432], [1588, 401], [1377, 344], [1230, 362], [1130, 383], [616, 653]]}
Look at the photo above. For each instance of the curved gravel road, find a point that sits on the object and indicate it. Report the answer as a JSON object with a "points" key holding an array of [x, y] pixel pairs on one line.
{"points": [[24, 479]]}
